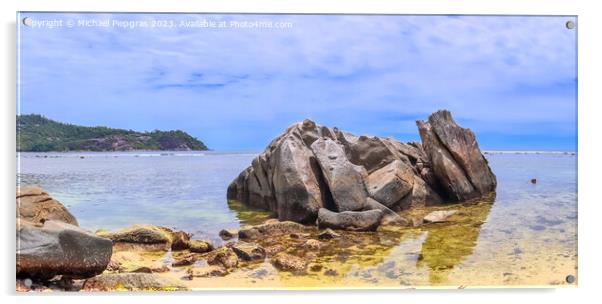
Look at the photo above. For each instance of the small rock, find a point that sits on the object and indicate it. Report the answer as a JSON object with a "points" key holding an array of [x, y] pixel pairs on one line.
{"points": [[159, 268], [439, 216], [141, 269], [184, 260], [200, 246], [249, 252], [312, 245], [328, 234], [350, 220], [223, 256], [330, 272], [286, 262], [417, 221], [227, 234], [206, 271], [141, 234], [271, 250], [180, 240], [315, 267], [271, 229]]}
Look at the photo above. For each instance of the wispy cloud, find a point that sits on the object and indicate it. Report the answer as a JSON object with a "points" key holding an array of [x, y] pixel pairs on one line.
{"points": [[505, 77]]}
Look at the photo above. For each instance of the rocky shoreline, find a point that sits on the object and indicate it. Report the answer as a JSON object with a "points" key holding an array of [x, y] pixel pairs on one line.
{"points": [[327, 190], [145, 257]]}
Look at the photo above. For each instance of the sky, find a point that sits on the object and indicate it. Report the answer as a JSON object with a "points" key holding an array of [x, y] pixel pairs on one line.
{"points": [[511, 79]]}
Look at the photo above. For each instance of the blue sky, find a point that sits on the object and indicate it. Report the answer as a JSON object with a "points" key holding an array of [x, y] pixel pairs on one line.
{"points": [[512, 80]]}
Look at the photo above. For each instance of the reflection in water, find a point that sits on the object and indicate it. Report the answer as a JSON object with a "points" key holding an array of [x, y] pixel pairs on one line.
{"points": [[247, 215], [448, 243], [390, 256]]}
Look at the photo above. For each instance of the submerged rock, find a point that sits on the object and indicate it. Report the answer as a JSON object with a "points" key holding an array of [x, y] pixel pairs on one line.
{"points": [[184, 260], [206, 271], [311, 167], [132, 282], [58, 248], [350, 220], [312, 245], [439, 216], [286, 262], [223, 256], [328, 234], [228, 234], [389, 217], [270, 229]]}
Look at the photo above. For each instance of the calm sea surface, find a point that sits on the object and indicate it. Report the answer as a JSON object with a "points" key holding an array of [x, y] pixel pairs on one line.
{"points": [[529, 230]]}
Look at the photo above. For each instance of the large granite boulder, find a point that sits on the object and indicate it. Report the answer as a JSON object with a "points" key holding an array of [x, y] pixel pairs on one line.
{"points": [[311, 167], [389, 184], [283, 178], [57, 248], [50, 243], [344, 179], [36, 206], [460, 168]]}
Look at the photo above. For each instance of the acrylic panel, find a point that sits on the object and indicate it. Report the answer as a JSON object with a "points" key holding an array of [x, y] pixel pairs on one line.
{"points": [[183, 151]]}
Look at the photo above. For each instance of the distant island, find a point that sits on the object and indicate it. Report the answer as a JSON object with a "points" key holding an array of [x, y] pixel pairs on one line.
{"points": [[36, 133]]}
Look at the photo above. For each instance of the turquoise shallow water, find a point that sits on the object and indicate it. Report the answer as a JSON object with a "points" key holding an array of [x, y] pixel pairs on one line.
{"points": [[184, 190], [187, 190]]}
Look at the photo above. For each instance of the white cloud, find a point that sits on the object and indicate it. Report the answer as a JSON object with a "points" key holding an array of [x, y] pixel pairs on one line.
{"points": [[493, 72]]}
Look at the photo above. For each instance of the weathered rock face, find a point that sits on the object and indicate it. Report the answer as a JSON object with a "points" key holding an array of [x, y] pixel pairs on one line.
{"points": [[249, 252], [461, 170], [287, 262], [344, 179], [57, 248], [310, 167], [200, 246], [223, 257], [49, 241], [349, 220], [391, 183], [36, 206]]}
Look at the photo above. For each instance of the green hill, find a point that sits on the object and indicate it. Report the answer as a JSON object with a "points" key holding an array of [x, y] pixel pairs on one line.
{"points": [[36, 133]]}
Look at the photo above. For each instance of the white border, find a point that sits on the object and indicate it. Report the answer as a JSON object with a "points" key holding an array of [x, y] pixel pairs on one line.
{"points": [[590, 206]]}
